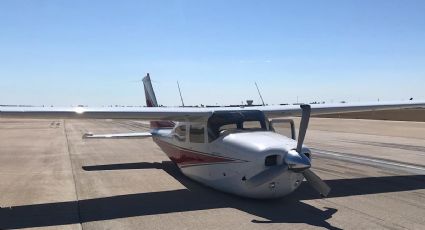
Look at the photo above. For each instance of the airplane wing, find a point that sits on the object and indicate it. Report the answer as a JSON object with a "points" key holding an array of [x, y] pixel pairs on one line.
{"points": [[136, 113], [318, 109], [190, 114], [117, 136]]}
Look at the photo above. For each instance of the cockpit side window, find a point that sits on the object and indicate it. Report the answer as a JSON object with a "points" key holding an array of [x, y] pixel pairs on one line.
{"points": [[197, 134], [180, 133]]}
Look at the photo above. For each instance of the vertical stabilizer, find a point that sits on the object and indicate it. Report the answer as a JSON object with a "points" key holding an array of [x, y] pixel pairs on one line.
{"points": [[149, 93]]}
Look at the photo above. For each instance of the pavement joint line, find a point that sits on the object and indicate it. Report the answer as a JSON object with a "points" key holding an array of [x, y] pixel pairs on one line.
{"points": [[73, 175], [361, 158]]}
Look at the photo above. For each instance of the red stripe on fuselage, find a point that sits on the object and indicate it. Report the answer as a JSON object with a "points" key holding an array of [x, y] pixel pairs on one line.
{"points": [[185, 157]]}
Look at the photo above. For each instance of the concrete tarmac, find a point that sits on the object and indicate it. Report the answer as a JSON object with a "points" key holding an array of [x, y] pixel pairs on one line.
{"points": [[52, 179]]}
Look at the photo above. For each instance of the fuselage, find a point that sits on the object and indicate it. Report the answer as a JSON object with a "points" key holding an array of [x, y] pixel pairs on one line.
{"points": [[228, 161], [235, 151]]}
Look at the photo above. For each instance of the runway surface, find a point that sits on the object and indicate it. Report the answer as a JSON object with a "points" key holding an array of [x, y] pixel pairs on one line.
{"points": [[51, 178]]}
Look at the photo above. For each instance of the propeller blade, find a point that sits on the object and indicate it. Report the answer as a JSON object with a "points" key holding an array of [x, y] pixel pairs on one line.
{"points": [[305, 118], [317, 183], [266, 176]]}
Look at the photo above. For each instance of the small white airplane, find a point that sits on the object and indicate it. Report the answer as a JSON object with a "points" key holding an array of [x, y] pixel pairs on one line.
{"points": [[235, 150]]}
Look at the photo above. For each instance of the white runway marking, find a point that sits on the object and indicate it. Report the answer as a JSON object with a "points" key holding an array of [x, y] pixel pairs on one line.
{"points": [[367, 160]]}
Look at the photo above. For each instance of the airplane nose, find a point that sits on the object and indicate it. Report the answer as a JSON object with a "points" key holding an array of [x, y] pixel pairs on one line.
{"points": [[297, 161]]}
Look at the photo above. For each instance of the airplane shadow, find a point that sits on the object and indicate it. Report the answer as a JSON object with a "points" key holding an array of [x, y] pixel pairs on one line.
{"points": [[289, 209]]}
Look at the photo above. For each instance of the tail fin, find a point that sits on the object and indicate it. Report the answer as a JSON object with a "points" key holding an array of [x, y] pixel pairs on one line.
{"points": [[152, 102], [149, 93]]}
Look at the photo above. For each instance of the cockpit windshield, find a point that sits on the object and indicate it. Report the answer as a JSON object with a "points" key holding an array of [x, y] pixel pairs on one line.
{"points": [[224, 122]]}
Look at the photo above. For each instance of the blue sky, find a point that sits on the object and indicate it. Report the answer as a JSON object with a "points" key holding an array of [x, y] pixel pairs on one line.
{"points": [[92, 52]]}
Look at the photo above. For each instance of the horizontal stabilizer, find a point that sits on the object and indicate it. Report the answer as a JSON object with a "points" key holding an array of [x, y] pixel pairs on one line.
{"points": [[117, 136]]}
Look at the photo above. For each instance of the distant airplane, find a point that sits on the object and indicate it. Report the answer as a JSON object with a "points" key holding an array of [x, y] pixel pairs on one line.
{"points": [[235, 150]]}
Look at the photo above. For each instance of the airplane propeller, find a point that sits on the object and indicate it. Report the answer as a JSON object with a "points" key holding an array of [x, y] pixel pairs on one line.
{"points": [[315, 181], [295, 160]]}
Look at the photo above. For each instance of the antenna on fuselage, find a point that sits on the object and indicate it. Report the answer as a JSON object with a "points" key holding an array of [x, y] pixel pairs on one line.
{"points": [[180, 92], [261, 97]]}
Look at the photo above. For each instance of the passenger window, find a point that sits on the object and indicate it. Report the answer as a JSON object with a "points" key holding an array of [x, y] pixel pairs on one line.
{"points": [[197, 134], [180, 133]]}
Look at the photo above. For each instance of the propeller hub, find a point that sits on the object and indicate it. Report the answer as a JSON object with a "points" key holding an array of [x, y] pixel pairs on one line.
{"points": [[297, 162]]}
